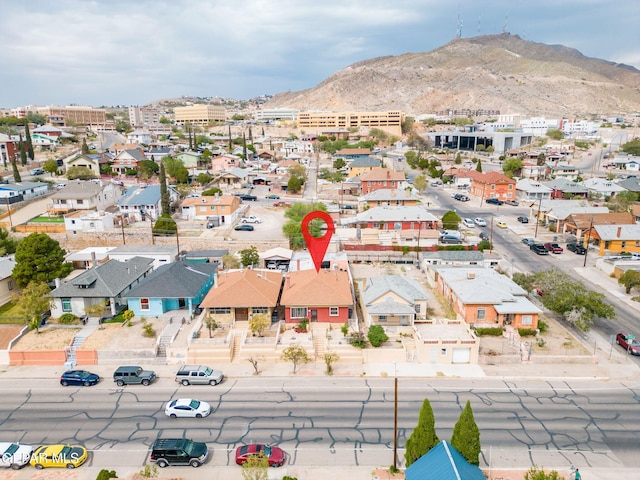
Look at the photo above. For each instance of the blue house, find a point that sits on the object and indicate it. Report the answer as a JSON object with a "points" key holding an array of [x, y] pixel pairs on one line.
{"points": [[443, 462], [174, 286]]}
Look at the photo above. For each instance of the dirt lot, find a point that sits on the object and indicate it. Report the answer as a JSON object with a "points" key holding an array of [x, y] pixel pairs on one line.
{"points": [[113, 336], [49, 338]]}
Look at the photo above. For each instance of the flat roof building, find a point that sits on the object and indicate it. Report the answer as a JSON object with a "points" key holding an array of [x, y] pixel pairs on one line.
{"points": [[199, 114], [390, 121]]}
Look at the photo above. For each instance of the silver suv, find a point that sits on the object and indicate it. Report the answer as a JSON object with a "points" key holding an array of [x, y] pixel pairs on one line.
{"points": [[198, 375]]}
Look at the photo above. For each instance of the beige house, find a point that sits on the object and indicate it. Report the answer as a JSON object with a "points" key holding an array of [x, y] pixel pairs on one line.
{"points": [[82, 195], [7, 285], [200, 208], [393, 300]]}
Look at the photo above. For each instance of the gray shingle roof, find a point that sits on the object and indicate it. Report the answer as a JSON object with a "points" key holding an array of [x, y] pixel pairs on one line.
{"points": [[107, 280], [455, 255], [174, 280], [365, 162], [406, 288], [78, 190], [395, 214]]}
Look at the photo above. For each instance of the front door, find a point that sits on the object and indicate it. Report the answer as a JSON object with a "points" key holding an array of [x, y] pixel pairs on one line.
{"points": [[242, 314], [314, 315], [182, 303]]}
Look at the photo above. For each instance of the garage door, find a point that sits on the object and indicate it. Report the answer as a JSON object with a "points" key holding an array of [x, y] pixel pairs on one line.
{"points": [[461, 355]]}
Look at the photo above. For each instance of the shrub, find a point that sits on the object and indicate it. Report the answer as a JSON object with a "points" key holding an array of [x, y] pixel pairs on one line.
{"points": [[106, 474], [543, 326], [356, 339], [345, 328], [489, 332], [148, 330], [527, 332], [128, 314], [377, 336], [67, 318]]}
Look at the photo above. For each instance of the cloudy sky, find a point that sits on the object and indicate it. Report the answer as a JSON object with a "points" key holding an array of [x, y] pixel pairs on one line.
{"points": [[122, 52]]}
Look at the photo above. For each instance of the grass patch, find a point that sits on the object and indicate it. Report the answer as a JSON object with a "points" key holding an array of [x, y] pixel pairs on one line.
{"points": [[10, 314], [449, 313], [47, 219]]}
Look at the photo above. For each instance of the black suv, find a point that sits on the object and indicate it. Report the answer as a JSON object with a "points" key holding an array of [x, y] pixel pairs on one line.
{"points": [[178, 451], [128, 375], [251, 198], [576, 248]]}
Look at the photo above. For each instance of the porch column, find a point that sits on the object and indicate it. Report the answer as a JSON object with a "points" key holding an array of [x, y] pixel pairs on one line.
{"points": [[112, 306]]}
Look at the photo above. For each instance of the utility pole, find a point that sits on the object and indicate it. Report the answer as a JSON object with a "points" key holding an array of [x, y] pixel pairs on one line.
{"points": [[588, 239], [537, 216]]}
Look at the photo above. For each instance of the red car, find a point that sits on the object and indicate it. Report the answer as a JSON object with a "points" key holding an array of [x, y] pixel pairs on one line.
{"points": [[281, 204], [553, 247], [275, 455], [629, 343]]}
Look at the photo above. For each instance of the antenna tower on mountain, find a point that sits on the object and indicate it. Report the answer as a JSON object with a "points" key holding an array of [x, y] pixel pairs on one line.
{"points": [[504, 27], [459, 27], [478, 24]]}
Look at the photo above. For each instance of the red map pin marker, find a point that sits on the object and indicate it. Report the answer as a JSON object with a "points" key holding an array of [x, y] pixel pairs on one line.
{"points": [[317, 245]]}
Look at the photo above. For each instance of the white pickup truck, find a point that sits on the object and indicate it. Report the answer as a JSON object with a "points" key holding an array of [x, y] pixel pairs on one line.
{"points": [[251, 219]]}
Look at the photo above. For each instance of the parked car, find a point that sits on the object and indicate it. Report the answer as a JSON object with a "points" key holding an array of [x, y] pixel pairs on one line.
{"points": [[187, 407], [251, 198], [512, 203], [576, 248], [463, 198], [273, 197], [553, 247], [481, 222], [468, 222], [251, 219], [132, 375], [539, 249], [275, 455], [15, 455], [436, 183], [79, 377], [501, 224], [198, 375], [629, 343], [494, 201], [528, 241], [450, 239], [348, 207], [484, 236], [523, 219], [37, 171], [178, 451], [120, 183], [244, 228], [60, 456], [281, 204]]}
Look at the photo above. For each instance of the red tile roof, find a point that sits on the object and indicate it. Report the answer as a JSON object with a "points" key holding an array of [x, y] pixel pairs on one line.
{"points": [[327, 288]]}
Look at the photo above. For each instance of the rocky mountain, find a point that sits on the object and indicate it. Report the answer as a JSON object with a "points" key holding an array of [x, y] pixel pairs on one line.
{"points": [[490, 72]]}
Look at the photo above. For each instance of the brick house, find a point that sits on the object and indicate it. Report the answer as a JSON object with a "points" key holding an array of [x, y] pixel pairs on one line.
{"points": [[492, 185], [380, 178], [396, 218]]}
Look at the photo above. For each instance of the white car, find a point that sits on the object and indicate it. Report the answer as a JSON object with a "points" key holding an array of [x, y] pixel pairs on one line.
{"points": [[187, 407], [14, 455], [251, 219], [481, 222], [468, 222]]}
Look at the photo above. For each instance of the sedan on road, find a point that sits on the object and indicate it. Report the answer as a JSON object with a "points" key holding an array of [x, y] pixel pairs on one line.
{"points": [[523, 219], [244, 228], [79, 377], [272, 197], [275, 455], [539, 249], [629, 343], [60, 456], [187, 407], [576, 248], [528, 241], [501, 224], [494, 201]]}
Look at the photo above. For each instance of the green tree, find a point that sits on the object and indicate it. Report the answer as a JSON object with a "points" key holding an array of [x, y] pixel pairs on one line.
{"points": [[255, 468], [50, 166], [165, 198], [258, 323], [376, 335], [106, 474], [172, 165], [541, 159], [451, 220], [122, 126], [630, 279], [479, 166], [7, 244], [27, 135], [298, 171], [378, 135], [165, 226], [296, 355], [458, 159], [407, 125], [212, 192], [294, 185], [555, 134], [85, 147], [23, 153], [412, 159], [632, 147], [80, 173], [33, 301], [16, 172], [511, 167], [230, 261], [250, 256], [420, 183], [294, 215], [424, 436], [536, 473], [203, 178], [339, 163], [182, 176], [147, 169], [466, 436], [39, 258]]}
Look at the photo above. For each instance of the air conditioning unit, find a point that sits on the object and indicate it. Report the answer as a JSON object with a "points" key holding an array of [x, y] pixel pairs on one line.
{"points": [[471, 275]]}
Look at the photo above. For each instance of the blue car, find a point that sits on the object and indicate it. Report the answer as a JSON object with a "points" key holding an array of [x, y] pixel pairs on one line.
{"points": [[79, 377]]}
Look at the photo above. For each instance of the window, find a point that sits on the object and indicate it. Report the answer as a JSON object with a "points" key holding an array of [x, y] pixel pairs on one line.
{"points": [[382, 318], [493, 187], [416, 307], [334, 311], [144, 304], [481, 314], [443, 351], [10, 284], [80, 202], [220, 310], [256, 310], [527, 319], [66, 304], [623, 244], [299, 312]]}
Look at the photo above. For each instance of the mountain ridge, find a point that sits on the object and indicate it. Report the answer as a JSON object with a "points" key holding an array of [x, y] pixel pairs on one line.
{"points": [[489, 72]]}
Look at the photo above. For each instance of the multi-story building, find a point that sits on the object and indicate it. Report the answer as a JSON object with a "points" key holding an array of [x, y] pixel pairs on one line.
{"points": [[63, 116], [142, 116], [390, 122], [199, 114], [270, 114]]}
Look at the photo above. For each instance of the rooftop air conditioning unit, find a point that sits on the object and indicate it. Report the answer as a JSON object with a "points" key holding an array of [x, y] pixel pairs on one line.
{"points": [[471, 275]]}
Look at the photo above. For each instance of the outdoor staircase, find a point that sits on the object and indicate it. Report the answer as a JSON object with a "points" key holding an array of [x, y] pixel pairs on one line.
{"points": [[167, 336], [70, 362], [319, 335], [410, 349], [238, 337]]}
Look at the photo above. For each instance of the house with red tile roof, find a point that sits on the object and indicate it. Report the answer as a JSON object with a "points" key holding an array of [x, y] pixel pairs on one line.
{"points": [[492, 185], [380, 178], [239, 294], [200, 208], [323, 296]]}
